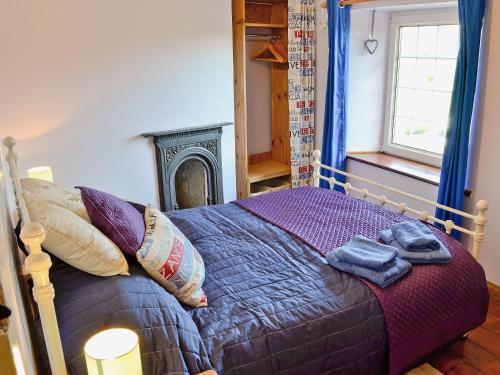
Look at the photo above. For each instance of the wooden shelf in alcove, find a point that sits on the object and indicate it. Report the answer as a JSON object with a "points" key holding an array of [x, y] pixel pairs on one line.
{"points": [[266, 25], [267, 169]]}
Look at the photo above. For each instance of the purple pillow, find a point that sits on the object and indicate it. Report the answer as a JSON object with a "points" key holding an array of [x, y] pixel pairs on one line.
{"points": [[116, 218]]}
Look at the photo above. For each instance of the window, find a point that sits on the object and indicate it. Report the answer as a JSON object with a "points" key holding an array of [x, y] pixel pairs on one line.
{"points": [[420, 80]]}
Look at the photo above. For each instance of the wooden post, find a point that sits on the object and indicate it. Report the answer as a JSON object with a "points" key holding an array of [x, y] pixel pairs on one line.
{"points": [[316, 166], [38, 264], [480, 222], [240, 100]]}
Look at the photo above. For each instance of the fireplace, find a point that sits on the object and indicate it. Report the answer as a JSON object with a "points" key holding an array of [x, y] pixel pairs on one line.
{"points": [[189, 166]]}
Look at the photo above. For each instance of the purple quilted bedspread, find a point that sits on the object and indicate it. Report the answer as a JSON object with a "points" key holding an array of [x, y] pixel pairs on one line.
{"points": [[431, 306]]}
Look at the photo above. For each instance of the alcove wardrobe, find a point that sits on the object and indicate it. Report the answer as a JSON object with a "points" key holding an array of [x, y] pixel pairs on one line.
{"points": [[274, 130]]}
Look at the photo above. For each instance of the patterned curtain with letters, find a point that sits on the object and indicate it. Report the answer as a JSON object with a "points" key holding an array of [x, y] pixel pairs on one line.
{"points": [[301, 87]]}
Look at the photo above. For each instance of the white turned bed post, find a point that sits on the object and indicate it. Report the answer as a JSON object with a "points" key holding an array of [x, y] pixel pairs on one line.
{"points": [[38, 264], [479, 223], [316, 166]]}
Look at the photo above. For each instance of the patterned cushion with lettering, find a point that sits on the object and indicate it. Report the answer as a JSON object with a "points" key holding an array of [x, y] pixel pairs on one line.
{"points": [[170, 258]]}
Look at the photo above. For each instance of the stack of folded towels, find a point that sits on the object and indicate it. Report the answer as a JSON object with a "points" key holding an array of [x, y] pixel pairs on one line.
{"points": [[406, 243], [369, 259], [416, 243]]}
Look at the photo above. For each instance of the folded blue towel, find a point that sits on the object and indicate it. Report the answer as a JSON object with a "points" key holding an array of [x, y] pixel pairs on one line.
{"points": [[417, 257], [383, 279], [363, 252], [415, 236]]}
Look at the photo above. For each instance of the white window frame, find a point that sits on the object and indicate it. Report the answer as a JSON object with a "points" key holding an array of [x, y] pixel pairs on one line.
{"points": [[400, 20]]}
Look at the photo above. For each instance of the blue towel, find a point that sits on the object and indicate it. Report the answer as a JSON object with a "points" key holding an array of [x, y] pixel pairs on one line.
{"points": [[417, 257], [415, 236], [383, 279], [363, 252]]}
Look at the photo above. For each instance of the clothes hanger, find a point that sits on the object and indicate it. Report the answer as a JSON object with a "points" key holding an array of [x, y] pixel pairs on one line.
{"points": [[273, 52]]}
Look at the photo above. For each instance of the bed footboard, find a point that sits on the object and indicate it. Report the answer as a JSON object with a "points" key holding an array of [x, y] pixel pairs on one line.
{"points": [[479, 219]]}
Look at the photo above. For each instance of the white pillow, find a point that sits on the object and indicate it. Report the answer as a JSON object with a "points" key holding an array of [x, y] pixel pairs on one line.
{"points": [[77, 242], [35, 190], [170, 258]]}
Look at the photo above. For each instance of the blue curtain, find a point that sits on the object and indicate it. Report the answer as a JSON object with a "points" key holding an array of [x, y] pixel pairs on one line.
{"points": [[334, 130], [456, 151]]}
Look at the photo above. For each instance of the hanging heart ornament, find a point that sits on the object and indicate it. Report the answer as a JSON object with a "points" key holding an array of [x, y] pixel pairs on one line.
{"points": [[371, 45]]}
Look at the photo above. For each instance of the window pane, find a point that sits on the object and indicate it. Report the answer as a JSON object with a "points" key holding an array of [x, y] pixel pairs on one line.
{"points": [[405, 103], [421, 104], [428, 110], [425, 72], [411, 132], [406, 72], [421, 135], [444, 75], [439, 107], [427, 40], [448, 40], [402, 130], [408, 41], [425, 127]]}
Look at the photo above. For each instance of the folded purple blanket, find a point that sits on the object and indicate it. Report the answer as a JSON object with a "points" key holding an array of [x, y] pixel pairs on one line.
{"points": [[433, 305]]}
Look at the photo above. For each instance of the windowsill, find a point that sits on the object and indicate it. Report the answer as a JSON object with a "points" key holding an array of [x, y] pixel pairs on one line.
{"points": [[409, 168], [396, 164]]}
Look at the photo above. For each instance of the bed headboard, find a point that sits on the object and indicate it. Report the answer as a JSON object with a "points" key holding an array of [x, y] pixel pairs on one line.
{"points": [[14, 289], [37, 264]]}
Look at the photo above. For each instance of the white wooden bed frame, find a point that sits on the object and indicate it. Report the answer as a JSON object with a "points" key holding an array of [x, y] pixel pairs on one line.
{"points": [[38, 263]]}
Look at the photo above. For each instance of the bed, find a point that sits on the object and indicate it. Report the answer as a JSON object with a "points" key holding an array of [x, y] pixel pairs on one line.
{"points": [[275, 305]]}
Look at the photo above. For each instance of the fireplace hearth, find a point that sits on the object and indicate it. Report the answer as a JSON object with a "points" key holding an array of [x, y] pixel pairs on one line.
{"points": [[189, 166]]}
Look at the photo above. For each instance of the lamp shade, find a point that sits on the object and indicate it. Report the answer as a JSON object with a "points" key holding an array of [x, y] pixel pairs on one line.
{"points": [[113, 352], [41, 173]]}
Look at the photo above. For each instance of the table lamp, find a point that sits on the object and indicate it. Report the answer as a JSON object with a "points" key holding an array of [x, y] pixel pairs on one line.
{"points": [[113, 352], [41, 173]]}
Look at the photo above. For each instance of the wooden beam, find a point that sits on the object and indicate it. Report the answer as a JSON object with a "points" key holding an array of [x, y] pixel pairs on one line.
{"points": [[280, 118], [240, 104], [343, 3], [359, 4]]}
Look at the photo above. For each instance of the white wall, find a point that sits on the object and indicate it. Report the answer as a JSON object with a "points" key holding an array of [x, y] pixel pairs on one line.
{"points": [[80, 80], [258, 80], [407, 184], [321, 75], [366, 102], [485, 167]]}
